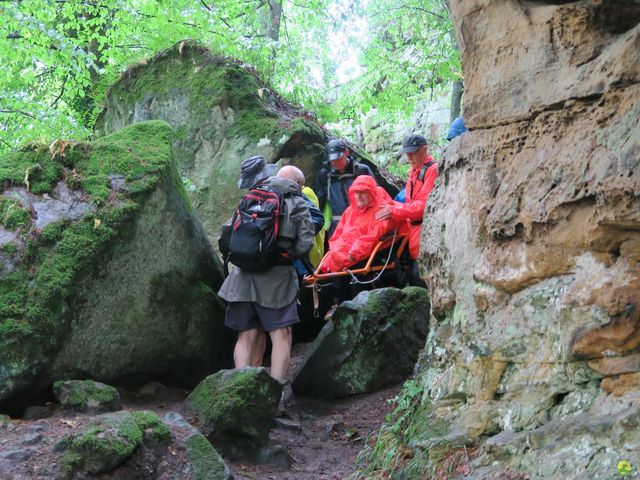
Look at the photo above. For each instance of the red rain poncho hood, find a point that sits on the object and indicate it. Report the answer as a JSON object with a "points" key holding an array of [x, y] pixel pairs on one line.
{"points": [[358, 231], [377, 195]]}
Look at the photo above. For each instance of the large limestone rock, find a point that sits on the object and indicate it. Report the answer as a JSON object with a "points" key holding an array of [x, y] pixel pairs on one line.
{"points": [[530, 244], [370, 342], [520, 60], [106, 273], [221, 113]]}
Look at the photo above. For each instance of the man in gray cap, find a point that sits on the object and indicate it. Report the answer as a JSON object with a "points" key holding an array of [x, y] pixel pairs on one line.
{"points": [[266, 300], [332, 183], [422, 177]]}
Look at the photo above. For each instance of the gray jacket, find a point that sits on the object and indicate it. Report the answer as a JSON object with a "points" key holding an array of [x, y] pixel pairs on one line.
{"points": [[278, 286]]}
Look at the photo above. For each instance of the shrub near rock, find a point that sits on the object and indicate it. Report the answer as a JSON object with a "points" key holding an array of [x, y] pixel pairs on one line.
{"points": [[86, 395], [236, 408], [370, 342]]}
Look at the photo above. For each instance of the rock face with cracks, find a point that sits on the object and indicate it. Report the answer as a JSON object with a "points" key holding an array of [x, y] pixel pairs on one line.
{"points": [[107, 274], [531, 246], [370, 342]]}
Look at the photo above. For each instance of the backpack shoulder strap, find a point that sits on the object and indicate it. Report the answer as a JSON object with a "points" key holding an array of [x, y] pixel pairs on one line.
{"points": [[423, 170]]}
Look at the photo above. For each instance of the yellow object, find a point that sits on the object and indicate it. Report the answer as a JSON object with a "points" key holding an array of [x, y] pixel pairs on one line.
{"points": [[328, 215], [317, 251], [624, 468]]}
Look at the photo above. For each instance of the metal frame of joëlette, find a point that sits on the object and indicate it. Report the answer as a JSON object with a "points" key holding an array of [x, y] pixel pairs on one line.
{"points": [[384, 242]]}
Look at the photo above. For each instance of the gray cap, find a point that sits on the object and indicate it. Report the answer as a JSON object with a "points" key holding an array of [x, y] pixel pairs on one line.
{"points": [[413, 143], [335, 148], [254, 170]]}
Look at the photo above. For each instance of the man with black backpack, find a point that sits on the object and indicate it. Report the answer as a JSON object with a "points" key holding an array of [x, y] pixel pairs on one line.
{"points": [[271, 227]]}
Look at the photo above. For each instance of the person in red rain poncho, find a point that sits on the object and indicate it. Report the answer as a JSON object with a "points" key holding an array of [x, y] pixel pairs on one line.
{"points": [[358, 231], [422, 176]]}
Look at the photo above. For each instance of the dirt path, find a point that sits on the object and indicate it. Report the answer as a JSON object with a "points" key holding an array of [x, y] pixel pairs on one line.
{"points": [[322, 439]]}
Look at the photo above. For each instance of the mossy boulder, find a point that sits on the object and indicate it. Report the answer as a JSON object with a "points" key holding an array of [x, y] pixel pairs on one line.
{"points": [[110, 276], [221, 112], [371, 341], [205, 463], [235, 409], [111, 439], [86, 395]]}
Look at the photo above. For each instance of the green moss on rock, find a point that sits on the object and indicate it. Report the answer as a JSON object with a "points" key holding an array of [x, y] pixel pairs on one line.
{"points": [[52, 232], [12, 214], [210, 81], [153, 429], [236, 404], [84, 395], [69, 461], [110, 440], [206, 462], [33, 298], [13, 294], [351, 354], [309, 129], [32, 168], [256, 125], [101, 447], [9, 248]]}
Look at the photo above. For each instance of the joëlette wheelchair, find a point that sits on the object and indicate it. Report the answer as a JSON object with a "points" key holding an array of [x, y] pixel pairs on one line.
{"points": [[388, 265]]}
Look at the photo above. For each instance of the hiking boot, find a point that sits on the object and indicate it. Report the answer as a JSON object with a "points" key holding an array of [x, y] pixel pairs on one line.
{"points": [[284, 397]]}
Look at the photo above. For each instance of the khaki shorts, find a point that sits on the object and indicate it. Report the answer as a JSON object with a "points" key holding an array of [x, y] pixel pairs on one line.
{"points": [[243, 316]]}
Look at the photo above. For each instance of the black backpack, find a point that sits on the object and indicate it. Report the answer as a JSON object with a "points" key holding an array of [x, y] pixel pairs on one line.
{"points": [[254, 230]]}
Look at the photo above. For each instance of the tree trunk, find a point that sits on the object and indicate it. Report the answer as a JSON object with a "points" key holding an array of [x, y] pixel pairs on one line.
{"points": [[275, 14], [456, 99]]}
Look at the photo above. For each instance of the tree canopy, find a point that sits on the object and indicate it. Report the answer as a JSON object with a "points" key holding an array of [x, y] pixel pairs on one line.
{"points": [[60, 56], [410, 51]]}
